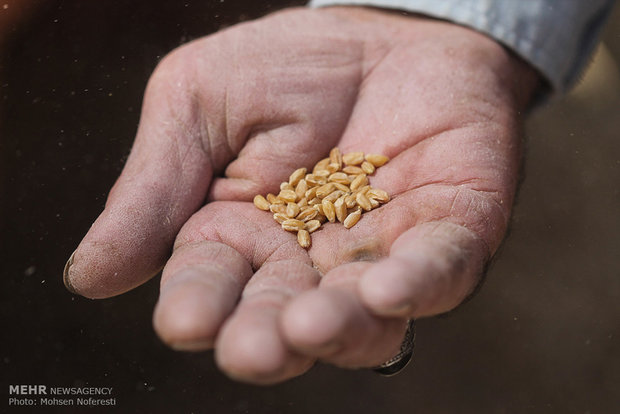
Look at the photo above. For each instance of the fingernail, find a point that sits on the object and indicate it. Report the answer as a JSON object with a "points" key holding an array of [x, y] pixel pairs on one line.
{"points": [[65, 274]]}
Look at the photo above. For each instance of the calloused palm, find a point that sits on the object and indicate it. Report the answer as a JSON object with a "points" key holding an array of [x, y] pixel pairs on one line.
{"points": [[232, 115]]}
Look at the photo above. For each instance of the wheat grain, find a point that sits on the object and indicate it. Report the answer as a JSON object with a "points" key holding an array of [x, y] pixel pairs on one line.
{"points": [[322, 173], [325, 190], [376, 159], [321, 165], [333, 196], [312, 225], [328, 210], [336, 190], [280, 218], [363, 201], [260, 202], [277, 208], [378, 194], [359, 181], [314, 201], [335, 158], [342, 187], [352, 219], [368, 168], [319, 208], [307, 214], [349, 201], [303, 238], [341, 209], [288, 195], [333, 167], [273, 199], [301, 188], [352, 170], [353, 158], [297, 175], [313, 179], [339, 177], [293, 225], [292, 210]]}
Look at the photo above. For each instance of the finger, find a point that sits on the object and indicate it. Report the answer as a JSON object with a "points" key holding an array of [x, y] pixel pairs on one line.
{"points": [[270, 156], [250, 346], [163, 182], [200, 286], [332, 324], [431, 269]]}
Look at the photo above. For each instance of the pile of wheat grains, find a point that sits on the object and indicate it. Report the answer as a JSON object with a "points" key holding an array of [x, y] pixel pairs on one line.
{"points": [[336, 190]]}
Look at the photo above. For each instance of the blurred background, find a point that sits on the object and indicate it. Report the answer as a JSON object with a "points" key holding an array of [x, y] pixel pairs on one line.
{"points": [[543, 334]]}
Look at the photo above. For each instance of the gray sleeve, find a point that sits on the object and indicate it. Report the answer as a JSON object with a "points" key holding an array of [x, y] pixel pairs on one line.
{"points": [[557, 37]]}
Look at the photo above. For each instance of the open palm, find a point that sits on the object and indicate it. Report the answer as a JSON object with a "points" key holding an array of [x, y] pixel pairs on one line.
{"points": [[232, 115]]}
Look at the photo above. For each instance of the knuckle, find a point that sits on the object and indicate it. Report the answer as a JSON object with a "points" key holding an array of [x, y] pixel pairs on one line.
{"points": [[175, 66]]}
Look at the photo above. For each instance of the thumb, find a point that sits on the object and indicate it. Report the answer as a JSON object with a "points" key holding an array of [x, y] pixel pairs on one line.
{"points": [[431, 269], [165, 180]]}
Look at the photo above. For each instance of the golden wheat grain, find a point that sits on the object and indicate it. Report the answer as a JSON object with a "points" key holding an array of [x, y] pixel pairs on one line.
{"points": [[368, 168], [280, 218], [328, 210], [303, 238], [352, 170], [293, 225], [288, 195], [325, 190], [260, 202], [307, 214], [335, 157], [359, 181], [378, 194], [321, 165], [353, 158], [312, 225], [363, 201], [337, 189], [278, 208], [292, 210], [376, 159], [352, 219], [333, 196], [297, 175], [341, 209]]}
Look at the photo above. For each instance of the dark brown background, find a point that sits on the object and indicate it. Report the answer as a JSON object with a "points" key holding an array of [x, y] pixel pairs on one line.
{"points": [[542, 336]]}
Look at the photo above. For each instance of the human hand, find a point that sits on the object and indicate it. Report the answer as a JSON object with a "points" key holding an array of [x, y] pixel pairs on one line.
{"points": [[232, 115]]}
